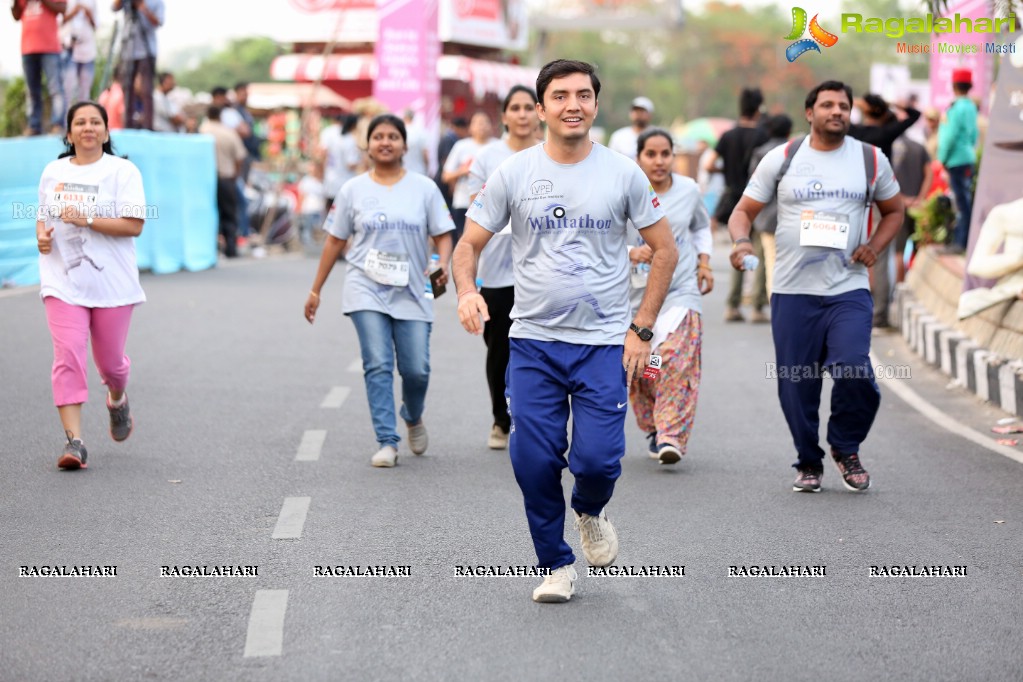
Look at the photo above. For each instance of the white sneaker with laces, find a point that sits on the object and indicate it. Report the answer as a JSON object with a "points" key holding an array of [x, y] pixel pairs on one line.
{"points": [[599, 538], [668, 454], [557, 588], [386, 456], [417, 437], [498, 439]]}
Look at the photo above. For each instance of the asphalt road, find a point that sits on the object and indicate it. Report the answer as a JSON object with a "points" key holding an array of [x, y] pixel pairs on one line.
{"points": [[225, 468]]}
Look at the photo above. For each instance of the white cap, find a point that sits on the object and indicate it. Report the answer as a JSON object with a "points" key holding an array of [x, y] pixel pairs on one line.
{"points": [[643, 103]]}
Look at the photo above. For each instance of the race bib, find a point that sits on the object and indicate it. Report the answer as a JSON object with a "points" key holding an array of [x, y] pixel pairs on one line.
{"points": [[391, 269], [824, 228], [653, 370], [82, 197]]}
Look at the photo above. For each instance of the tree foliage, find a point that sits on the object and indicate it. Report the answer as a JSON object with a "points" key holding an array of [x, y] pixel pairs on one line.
{"points": [[244, 59], [12, 116], [701, 69]]}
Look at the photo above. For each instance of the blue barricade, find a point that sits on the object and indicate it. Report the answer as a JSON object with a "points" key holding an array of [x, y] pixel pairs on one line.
{"points": [[180, 179]]}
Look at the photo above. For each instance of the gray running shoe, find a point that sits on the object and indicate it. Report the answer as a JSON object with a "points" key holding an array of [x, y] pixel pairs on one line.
{"points": [[74, 455], [121, 422]]}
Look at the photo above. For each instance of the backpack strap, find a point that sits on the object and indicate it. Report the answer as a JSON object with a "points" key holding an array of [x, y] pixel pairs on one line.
{"points": [[791, 147], [870, 170]]}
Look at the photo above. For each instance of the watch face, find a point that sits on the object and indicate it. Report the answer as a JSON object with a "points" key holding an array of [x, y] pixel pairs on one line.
{"points": [[645, 334]]}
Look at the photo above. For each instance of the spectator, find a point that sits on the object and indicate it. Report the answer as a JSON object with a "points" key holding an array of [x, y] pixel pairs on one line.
{"points": [[458, 130], [912, 166], [167, 116], [735, 149], [342, 158], [311, 197], [112, 99], [138, 56], [40, 55], [779, 128], [957, 140], [230, 154], [417, 159], [231, 117], [459, 161], [79, 39], [624, 139]]}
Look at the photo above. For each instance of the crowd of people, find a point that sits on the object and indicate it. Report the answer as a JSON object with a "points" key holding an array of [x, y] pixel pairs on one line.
{"points": [[582, 266]]}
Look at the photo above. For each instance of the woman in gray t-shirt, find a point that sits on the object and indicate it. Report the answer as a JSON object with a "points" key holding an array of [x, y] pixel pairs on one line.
{"points": [[386, 219]]}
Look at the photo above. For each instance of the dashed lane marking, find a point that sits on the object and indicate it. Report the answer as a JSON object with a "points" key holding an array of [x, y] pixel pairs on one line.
{"points": [[266, 623], [292, 518], [311, 446], [336, 398]]}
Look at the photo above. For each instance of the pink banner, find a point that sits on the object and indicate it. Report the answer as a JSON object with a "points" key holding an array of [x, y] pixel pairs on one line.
{"points": [[981, 64], [407, 49]]}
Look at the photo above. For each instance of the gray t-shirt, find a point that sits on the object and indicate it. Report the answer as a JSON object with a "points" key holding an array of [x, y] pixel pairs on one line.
{"points": [[569, 236], [690, 223], [831, 185], [389, 225], [495, 266]]}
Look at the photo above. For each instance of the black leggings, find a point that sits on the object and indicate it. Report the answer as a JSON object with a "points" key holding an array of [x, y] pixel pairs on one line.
{"points": [[495, 335]]}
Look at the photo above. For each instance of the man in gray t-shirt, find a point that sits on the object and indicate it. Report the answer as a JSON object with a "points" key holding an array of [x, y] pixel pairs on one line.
{"points": [[574, 344], [821, 307]]}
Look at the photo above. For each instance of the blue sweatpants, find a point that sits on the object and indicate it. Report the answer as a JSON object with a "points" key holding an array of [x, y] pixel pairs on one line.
{"points": [[812, 333], [545, 379]]}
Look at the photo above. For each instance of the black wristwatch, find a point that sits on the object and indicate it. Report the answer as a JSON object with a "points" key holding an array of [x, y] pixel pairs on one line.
{"points": [[643, 333]]}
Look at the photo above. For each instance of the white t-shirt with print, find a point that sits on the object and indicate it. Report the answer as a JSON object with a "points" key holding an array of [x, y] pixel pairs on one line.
{"points": [[86, 268], [392, 223], [464, 151], [80, 33], [829, 183], [495, 264], [569, 241]]}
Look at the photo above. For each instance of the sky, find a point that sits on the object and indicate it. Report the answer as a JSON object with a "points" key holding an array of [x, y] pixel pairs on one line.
{"points": [[192, 23]]}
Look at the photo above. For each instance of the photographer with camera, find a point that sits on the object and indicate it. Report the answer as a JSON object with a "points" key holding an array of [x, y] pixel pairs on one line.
{"points": [[138, 57]]}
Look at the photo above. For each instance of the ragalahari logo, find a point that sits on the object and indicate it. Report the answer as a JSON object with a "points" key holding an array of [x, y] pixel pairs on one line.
{"points": [[817, 35]]}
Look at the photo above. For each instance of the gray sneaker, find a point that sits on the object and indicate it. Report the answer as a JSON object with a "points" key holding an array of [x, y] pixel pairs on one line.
{"points": [[599, 538], [557, 588], [417, 438], [121, 422], [74, 455]]}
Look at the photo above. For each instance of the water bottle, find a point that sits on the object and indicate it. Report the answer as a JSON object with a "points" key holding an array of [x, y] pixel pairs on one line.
{"points": [[750, 262], [640, 274], [434, 267]]}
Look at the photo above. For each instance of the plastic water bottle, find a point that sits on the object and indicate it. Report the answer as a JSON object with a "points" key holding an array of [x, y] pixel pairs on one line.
{"points": [[434, 267], [750, 262], [640, 275]]}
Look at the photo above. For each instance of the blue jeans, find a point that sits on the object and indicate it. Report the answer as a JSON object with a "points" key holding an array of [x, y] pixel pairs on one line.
{"points": [[78, 77], [35, 67], [959, 178], [381, 339]]}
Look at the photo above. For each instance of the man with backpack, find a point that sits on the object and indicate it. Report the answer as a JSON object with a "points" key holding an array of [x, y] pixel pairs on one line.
{"points": [[821, 307]]}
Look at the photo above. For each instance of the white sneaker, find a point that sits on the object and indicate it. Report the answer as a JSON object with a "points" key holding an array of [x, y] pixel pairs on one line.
{"points": [[498, 439], [669, 454], [386, 456], [557, 588], [599, 538], [417, 438]]}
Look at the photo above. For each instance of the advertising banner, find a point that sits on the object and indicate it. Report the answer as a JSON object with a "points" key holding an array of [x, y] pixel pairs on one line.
{"points": [[962, 50], [501, 24]]}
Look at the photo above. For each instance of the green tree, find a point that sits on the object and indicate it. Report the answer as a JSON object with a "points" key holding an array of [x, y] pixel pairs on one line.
{"points": [[12, 116], [244, 59]]}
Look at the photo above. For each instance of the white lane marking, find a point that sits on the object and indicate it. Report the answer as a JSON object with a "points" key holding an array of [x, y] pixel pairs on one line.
{"points": [[311, 446], [913, 399], [336, 397], [292, 518], [266, 623], [355, 366]]}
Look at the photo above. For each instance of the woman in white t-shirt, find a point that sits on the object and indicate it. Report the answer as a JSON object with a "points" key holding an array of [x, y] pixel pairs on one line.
{"points": [[386, 219], [91, 204]]}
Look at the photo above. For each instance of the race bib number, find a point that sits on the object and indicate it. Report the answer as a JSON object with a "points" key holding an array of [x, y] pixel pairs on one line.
{"points": [[391, 269], [653, 369], [824, 228]]}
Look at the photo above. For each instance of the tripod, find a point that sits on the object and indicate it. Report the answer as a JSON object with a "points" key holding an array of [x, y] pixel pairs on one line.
{"points": [[128, 67]]}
